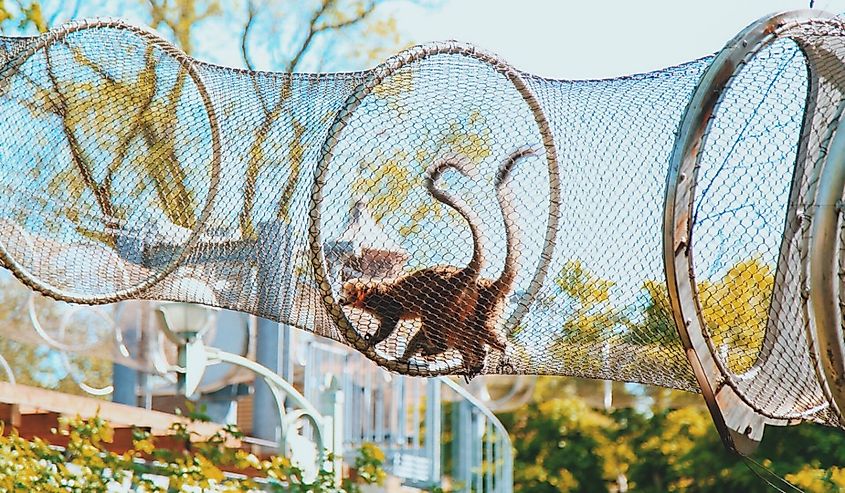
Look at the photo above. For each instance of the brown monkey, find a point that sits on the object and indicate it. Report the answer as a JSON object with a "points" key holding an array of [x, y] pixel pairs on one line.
{"points": [[480, 330], [442, 297]]}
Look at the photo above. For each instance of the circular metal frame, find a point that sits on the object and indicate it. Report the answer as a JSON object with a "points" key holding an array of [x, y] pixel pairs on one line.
{"points": [[738, 422], [374, 78], [826, 274], [19, 57]]}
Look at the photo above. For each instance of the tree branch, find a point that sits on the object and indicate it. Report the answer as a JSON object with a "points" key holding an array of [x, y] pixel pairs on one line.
{"points": [[250, 19], [348, 22], [312, 30]]}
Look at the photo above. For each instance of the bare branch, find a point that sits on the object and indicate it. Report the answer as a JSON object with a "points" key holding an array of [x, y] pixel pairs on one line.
{"points": [[312, 30], [348, 22], [250, 19]]}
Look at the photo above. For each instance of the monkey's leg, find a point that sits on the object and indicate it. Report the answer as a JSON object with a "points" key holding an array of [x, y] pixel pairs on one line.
{"points": [[418, 341], [434, 346], [386, 326], [474, 357]]}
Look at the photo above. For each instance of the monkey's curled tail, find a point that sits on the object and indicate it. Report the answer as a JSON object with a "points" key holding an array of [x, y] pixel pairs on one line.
{"points": [[460, 164], [512, 235]]}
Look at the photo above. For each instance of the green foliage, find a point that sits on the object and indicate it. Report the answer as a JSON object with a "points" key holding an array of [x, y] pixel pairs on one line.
{"points": [[85, 464], [563, 445], [368, 467]]}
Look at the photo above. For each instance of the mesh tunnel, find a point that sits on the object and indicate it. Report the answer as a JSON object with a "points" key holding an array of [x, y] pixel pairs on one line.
{"points": [[445, 213]]}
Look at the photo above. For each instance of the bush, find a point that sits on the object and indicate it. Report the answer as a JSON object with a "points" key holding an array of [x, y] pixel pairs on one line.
{"points": [[85, 464]]}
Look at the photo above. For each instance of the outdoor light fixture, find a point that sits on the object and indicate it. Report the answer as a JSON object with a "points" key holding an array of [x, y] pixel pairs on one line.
{"points": [[185, 324]]}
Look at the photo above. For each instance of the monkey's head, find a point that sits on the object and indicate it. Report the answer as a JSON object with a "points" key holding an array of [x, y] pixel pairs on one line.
{"points": [[354, 293]]}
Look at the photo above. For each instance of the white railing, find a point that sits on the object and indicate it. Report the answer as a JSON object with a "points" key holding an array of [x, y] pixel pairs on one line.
{"points": [[404, 416]]}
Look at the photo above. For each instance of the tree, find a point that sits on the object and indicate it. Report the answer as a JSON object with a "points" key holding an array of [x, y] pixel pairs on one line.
{"points": [[20, 15], [132, 147], [735, 309], [561, 444], [558, 444], [592, 316]]}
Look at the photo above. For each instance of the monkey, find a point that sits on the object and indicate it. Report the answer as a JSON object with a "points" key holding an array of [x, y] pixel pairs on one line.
{"points": [[456, 307], [481, 328], [442, 297]]}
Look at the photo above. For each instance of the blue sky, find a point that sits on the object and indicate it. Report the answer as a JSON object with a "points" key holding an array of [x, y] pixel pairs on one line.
{"points": [[591, 39]]}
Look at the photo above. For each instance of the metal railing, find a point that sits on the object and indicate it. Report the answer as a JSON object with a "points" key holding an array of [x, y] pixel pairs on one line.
{"points": [[431, 435]]}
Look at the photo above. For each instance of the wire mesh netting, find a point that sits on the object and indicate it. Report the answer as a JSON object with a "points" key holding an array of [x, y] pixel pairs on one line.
{"points": [[443, 213], [746, 255]]}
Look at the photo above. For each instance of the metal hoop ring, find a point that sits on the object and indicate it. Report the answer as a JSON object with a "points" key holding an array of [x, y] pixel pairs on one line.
{"points": [[743, 426], [374, 78], [19, 57]]}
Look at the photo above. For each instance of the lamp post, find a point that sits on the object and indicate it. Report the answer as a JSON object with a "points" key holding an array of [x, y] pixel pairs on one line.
{"points": [[185, 324]]}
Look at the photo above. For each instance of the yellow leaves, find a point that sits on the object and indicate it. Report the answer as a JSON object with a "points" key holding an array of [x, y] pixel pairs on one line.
{"points": [[592, 315], [372, 450], [576, 414], [32, 15], [391, 178], [84, 465], [682, 430], [535, 472], [369, 464], [5, 15], [394, 91], [563, 481], [144, 444], [209, 470], [814, 480], [576, 281], [387, 180], [244, 460], [385, 29], [473, 145], [735, 310], [657, 293]]}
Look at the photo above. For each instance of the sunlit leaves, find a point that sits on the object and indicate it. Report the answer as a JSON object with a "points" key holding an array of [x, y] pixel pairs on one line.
{"points": [[86, 464], [592, 315], [814, 480], [735, 310], [25, 13], [392, 179], [32, 15], [4, 12]]}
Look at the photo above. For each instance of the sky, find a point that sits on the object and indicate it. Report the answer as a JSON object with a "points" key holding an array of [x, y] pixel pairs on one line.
{"points": [[592, 39]]}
